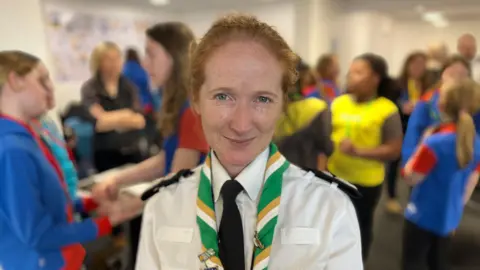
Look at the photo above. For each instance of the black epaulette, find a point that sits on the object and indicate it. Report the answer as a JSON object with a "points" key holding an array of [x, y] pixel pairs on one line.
{"points": [[165, 183], [344, 186]]}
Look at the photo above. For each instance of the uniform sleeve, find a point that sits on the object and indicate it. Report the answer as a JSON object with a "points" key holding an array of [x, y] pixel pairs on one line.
{"points": [[84, 204], [346, 248], [30, 220], [148, 257], [191, 133], [417, 124], [424, 159]]}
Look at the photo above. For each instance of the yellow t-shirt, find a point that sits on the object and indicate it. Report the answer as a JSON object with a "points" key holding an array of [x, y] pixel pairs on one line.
{"points": [[299, 114], [362, 123]]}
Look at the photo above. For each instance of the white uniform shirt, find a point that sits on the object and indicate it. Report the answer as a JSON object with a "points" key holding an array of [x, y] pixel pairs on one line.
{"points": [[317, 226]]}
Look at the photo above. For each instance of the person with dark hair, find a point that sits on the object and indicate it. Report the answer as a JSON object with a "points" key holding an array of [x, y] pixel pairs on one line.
{"points": [[412, 83], [327, 70], [167, 60], [133, 70], [366, 132], [426, 113]]}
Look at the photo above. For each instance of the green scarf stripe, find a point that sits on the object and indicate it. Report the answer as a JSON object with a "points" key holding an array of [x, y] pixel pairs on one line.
{"points": [[209, 235], [273, 187], [266, 234], [205, 191]]}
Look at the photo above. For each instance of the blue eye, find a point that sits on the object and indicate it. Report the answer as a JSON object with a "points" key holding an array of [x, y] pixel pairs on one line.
{"points": [[263, 99], [221, 97]]}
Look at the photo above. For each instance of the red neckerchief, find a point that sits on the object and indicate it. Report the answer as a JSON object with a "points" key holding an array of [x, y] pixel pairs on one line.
{"points": [[445, 128]]}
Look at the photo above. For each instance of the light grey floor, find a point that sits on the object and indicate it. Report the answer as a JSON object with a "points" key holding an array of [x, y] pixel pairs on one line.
{"points": [[386, 248]]}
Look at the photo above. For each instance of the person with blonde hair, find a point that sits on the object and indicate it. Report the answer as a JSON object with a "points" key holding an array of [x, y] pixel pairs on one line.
{"points": [[443, 172], [246, 206], [113, 101], [37, 228]]}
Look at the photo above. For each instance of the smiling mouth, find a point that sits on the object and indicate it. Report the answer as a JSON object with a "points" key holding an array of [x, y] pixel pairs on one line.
{"points": [[239, 141]]}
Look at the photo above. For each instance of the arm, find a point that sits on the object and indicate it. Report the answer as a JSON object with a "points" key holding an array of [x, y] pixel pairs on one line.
{"points": [[346, 248], [145, 171], [471, 185], [191, 142], [148, 257], [421, 164], [108, 121], [32, 223], [391, 141], [417, 123]]}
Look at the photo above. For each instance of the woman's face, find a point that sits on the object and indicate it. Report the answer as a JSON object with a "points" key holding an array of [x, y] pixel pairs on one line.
{"points": [[158, 62], [456, 71], [417, 67], [35, 92], [361, 80], [111, 63], [240, 101]]}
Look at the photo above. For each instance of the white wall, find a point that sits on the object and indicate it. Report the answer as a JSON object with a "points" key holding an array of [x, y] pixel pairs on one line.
{"points": [[67, 92], [279, 15], [21, 27]]}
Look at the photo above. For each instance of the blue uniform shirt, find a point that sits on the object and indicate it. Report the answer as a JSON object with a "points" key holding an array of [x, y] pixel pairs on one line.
{"points": [[436, 204], [425, 114]]}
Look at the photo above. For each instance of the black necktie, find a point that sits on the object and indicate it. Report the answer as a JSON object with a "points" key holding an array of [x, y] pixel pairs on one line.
{"points": [[230, 234]]}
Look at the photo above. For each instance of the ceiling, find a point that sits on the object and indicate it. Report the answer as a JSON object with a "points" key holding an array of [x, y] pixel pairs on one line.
{"points": [[400, 9], [453, 10], [180, 5]]}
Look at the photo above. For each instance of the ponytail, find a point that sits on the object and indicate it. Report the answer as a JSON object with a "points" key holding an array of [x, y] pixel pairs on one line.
{"points": [[388, 88], [465, 138]]}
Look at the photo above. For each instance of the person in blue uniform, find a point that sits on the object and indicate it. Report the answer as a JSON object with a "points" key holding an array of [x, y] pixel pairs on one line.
{"points": [[133, 70], [37, 229], [443, 172], [426, 111]]}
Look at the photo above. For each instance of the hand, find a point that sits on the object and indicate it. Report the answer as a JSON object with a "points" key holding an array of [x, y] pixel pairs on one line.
{"points": [[134, 121], [122, 211], [408, 107], [138, 121], [347, 147], [108, 190]]}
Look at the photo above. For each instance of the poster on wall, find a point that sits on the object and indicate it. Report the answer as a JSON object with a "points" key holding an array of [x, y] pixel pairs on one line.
{"points": [[71, 37]]}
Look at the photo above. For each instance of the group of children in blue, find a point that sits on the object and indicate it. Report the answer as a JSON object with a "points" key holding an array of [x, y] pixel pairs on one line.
{"points": [[436, 202]]}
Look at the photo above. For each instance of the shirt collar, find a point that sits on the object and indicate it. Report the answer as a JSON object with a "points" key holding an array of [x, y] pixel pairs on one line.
{"points": [[250, 178]]}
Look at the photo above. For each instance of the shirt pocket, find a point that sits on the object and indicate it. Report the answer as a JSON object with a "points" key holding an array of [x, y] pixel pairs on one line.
{"points": [[300, 236], [301, 248], [175, 247]]}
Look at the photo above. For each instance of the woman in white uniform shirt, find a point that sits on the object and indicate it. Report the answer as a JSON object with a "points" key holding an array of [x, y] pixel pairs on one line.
{"points": [[272, 214]]}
